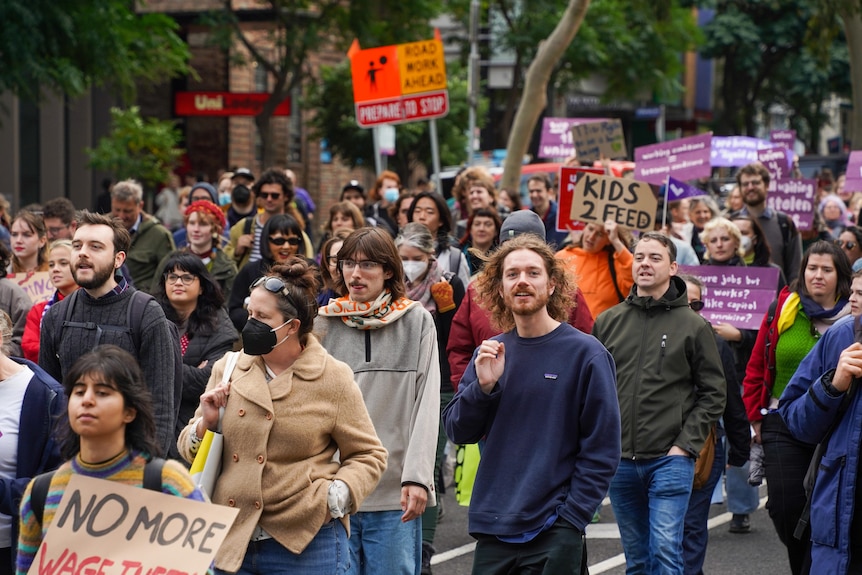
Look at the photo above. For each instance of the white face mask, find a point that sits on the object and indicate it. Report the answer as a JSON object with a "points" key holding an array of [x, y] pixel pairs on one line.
{"points": [[414, 270], [745, 244]]}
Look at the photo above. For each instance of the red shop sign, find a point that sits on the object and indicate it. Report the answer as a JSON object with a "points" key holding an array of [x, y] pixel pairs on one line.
{"points": [[225, 104]]}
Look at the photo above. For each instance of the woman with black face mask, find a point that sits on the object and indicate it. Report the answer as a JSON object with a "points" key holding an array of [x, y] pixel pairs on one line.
{"points": [[300, 450]]}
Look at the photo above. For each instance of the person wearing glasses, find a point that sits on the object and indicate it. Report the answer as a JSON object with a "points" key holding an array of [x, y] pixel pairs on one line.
{"points": [[204, 225], [390, 342], [733, 425], [785, 243], [300, 450], [274, 195], [850, 240], [192, 299], [281, 239], [803, 312]]}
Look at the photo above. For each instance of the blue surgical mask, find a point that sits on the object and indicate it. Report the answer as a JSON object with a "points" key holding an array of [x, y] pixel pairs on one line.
{"points": [[391, 194]]}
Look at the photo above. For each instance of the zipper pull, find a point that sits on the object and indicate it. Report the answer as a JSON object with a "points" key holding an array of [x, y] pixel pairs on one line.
{"points": [[663, 341]]}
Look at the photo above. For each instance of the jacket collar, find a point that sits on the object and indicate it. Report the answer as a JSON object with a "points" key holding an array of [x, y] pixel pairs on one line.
{"points": [[675, 296]]}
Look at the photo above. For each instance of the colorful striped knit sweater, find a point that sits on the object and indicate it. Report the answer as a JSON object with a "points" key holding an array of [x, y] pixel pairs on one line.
{"points": [[126, 468]]}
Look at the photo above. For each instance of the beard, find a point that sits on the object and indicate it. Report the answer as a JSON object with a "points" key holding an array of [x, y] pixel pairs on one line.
{"points": [[100, 276], [539, 302]]}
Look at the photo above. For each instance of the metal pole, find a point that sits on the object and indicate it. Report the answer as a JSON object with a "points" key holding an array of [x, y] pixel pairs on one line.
{"points": [[473, 81], [435, 153], [378, 163]]}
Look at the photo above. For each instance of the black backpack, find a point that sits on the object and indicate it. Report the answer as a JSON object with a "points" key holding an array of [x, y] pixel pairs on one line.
{"points": [[41, 484], [134, 318]]}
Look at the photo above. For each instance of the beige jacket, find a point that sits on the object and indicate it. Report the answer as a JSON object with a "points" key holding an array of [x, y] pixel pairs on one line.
{"points": [[280, 443]]}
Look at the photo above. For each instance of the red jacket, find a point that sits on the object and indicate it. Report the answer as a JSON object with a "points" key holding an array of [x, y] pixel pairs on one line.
{"points": [[472, 325], [760, 371], [33, 330]]}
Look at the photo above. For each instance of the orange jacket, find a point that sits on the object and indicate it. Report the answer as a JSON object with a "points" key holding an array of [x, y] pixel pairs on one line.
{"points": [[593, 276]]}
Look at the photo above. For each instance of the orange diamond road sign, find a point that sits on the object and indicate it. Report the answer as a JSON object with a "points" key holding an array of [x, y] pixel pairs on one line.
{"points": [[399, 83]]}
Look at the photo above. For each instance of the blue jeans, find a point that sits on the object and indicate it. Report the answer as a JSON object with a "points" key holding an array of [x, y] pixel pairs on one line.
{"points": [[742, 498], [696, 531], [327, 554], [649, 498], [381, 543]]}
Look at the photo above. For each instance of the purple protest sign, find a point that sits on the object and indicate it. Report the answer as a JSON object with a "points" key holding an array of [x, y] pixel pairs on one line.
{"points": [[685, 159], [556, 139], [786, 138], [853, 183], [795, 198], [778, 162], [677, 190], [731, 151], [737, 295]]}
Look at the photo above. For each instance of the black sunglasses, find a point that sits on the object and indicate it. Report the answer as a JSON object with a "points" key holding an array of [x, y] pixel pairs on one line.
{"points": [[293, 240], [846, 245], [696, 304]]}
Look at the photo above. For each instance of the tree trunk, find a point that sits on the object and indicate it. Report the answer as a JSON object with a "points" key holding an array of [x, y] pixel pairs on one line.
{"points": [[534, 97], [853, 31]]}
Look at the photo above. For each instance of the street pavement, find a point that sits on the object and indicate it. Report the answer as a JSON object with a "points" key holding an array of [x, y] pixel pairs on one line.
{"points": [[757, 553]]}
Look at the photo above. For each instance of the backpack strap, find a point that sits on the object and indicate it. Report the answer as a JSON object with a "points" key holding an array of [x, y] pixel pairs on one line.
{"points": [[613, 271], [39, 493], [153, 474], [249, 222], [454, 260], [134, 318], [135, 315]]}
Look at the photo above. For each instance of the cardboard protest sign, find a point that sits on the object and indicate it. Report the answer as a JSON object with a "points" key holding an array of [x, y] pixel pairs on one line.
{"points": [[853, 181], [556, 138], [597, 198], [778, 162], [737, 295], [795, 198], [731, 151], [37, 285], [684, 159], [596, 140], [568, 180], [109, 528]]}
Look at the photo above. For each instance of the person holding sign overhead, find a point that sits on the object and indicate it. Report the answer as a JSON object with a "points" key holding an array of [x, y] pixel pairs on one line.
{"points": [[602, 262], [111, 434], [803, 312]]}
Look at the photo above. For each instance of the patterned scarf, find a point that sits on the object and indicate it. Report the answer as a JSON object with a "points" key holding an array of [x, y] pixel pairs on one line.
{"points": [[368, 315]]}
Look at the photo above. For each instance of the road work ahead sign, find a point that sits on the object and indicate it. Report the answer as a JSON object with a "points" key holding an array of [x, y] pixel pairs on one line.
{"points": [[399, 83]]}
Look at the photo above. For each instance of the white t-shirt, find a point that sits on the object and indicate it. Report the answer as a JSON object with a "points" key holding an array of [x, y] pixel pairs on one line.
{"points": [[11, 401]]}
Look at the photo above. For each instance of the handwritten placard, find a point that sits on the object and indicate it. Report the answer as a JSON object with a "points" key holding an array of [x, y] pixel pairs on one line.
{"points": [[739, 296], [556, 138], [795, 198], [684, 159], [786, 138], [37, 285], [778, 162], [596, 198], [729, 151], [107, 528], [596, 140]]}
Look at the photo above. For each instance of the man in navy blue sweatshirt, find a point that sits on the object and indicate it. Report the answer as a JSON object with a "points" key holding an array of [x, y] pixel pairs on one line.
{"points": [[543, 397]]}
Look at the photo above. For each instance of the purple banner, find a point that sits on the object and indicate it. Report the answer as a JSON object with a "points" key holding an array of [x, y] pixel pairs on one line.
{"points": [[684, 159], [556, 140], [739, 296], [736, 150], [786, 138], [853, 183], [795, 198], [677, 190], [778, 162]]}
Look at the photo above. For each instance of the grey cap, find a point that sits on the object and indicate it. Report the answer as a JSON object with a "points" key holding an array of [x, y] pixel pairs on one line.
{"points": [[209, 189], [522, 222]]}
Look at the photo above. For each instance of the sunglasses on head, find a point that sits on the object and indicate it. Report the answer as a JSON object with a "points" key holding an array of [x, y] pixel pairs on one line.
{"points": [[696, 304], [280, 241]]}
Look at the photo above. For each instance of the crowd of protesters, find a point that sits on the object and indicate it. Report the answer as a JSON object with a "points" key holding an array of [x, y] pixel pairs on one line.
{"points": [[353, 353]]}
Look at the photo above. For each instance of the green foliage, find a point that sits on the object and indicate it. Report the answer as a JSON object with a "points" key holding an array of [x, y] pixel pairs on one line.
{"points": [[143, 149], [334, 120], [65, 46]]}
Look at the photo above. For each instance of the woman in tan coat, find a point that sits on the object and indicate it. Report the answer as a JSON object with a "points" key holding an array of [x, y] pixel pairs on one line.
{"points": [[300, 451]]}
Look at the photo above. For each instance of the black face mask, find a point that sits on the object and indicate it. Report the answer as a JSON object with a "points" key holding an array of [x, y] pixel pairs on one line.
{"points": [[260, 339]]}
